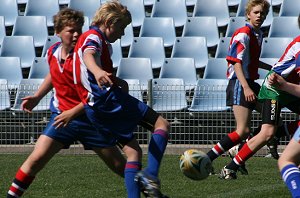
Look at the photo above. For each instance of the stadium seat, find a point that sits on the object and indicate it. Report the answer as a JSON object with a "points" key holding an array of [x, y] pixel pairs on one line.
{"points": [[22, 1], [284, 27], [276, 2], [28, 87], [210, 95], [233, 2], [190, 2], [289, 8], [11, 71], [117, 53], [136, 68], [39, 68], [135, 88], [149, 2], [148, 47], [88, 7], [137, 10], [234, 24], [168, 94], [216, 69], [222, 48], [127, 38], [274, 47], [262, 73], [4, 95], [25, 49], [34, 26], [241, 12], [9, 10], [86, 25], [46, 8], [180, 68], [63, 2], [202, 26], [159, 27], [191, 47], [219, 9], [50, 41], [2, 29], [171, 8]]}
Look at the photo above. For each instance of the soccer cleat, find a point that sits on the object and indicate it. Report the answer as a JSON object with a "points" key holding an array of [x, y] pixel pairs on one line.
{"points": [[272, 147], [149, 186], [227, 174]]}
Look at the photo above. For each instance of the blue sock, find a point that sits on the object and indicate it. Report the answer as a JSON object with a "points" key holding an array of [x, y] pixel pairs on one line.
{"points": [[291, 176], [156, 151], [132, 187]]}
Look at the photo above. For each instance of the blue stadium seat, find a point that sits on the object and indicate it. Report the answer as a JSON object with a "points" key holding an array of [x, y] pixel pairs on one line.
{"points": [[34, 26], [168, 94], [289, 8], [11, 71], [149, 2], [86, 25], [180, 68], [276, 2], [39, 68], [148, 47], [233, 2], [280, 25], [262, 73], [171, 8], [217, 8], [25, 49], [88, 7], [159, 27], [137, 10], [234, 24], [4, 95], [135, 88], [191, 47], [117, 53], [136, 68], [190, 2], [216, 69], [63, 2], [210, 96], [274, 47], [28, 87], [241, 12], [46, 8], [202, 26], [127, 38], [2, 29], [222, 48], [9, 10], [49, 42]]}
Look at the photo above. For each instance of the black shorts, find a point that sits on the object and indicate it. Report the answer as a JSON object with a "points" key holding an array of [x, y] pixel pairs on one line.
{"points": [[235, 93]]}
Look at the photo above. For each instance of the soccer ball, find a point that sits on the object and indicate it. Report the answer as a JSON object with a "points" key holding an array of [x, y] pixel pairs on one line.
{"points": [[195, 164]]}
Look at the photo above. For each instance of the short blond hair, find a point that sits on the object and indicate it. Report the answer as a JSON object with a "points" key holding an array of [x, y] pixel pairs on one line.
{"points": [[252, 3], [110, 13], [67, 17]]}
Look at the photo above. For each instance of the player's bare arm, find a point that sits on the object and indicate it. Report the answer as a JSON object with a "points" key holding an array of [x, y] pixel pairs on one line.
{"points": [[29, 102], [279, 82], [249, 94]]}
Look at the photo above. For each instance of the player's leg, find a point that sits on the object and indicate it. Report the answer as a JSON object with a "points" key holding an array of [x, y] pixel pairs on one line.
{"points": [[288, 165], [44, 150]]}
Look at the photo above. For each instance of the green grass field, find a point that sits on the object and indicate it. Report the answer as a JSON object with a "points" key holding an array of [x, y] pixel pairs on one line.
{"points": [[86, 176]]}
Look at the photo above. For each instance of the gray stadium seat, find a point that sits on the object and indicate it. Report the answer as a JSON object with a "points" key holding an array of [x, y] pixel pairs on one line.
{"points": [[136, 68], [39, 68], [217, 8], [2, 29], [148, 47], [127, 38], [289, 8], [234, 24], [46, 8], [159, 27], [210, 96], [117, 53], [135, 88], [180, 68], [9, 9], [168, 94], [88, 7], [284, 27], [274, 47], [11, 71], [20, 46], [222, 48], [49, 42], [202, 26], [4, 95], [34, 26], [216, 69], [137, 10], [191, 47]]}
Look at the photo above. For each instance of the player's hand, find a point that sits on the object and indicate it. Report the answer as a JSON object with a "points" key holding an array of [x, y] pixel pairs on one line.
{"points": [[276, 80], [29, 102], [103, 78], [63, 119], [249, 95]]}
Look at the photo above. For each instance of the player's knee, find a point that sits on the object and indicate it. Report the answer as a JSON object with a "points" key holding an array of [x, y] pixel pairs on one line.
{"points": [[163, 124]]}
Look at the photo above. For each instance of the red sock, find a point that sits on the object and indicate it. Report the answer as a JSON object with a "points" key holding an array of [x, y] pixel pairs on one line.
{"points": [[244, 154], [20, 184]]}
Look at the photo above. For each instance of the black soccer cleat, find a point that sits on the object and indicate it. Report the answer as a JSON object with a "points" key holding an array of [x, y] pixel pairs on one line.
{"points": [[272, 147]]}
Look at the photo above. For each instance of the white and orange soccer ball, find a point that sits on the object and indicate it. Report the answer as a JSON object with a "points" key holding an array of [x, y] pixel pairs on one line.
{"points": [[195, 164]]}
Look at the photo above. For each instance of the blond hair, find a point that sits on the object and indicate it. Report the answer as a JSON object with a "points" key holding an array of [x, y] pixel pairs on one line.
{"points": [[67, 17], [252, 3], [110, 13]]}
